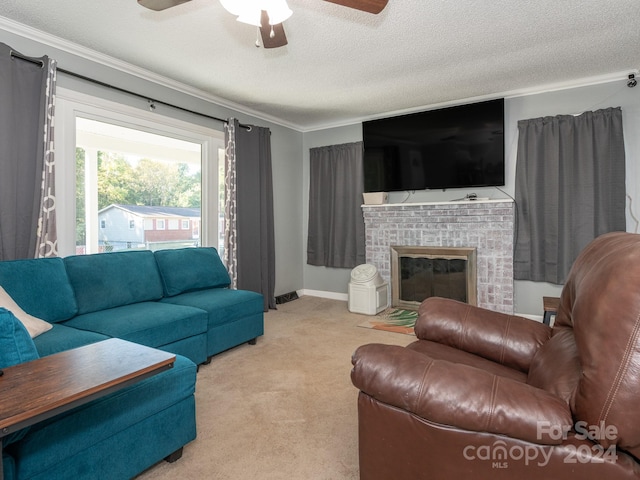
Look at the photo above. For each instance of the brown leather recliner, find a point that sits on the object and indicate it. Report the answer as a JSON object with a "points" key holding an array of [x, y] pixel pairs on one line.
{"points": [[482, 394]]}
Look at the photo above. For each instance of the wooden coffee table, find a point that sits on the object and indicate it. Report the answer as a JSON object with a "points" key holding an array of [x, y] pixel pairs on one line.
{"points": [[34, 391]]}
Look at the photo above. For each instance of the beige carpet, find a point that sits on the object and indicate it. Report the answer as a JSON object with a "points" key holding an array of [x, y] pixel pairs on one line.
{"points": [[284, 408]]}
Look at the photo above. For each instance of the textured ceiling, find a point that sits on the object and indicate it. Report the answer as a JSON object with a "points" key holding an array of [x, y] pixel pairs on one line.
{"points": [[342, 65]]}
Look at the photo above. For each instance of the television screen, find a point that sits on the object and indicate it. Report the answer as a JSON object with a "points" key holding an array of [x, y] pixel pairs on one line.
{"points": [[461, 146]]}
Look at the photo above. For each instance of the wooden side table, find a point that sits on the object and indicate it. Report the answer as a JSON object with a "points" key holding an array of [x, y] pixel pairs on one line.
{"points": [[550, 306], [34, 391]]}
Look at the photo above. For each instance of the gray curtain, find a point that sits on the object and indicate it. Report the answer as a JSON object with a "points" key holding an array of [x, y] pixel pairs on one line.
{"points": [[47, 233], [336, 226], [570, 188], [250, 209], [25, 89]]}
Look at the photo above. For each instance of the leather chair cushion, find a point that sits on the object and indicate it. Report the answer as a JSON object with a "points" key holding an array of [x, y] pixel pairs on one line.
{"points": [[556, 367], [439, 351]]}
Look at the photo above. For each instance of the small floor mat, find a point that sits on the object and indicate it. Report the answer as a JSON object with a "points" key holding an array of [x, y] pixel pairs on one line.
{"points": [[393, 319]]}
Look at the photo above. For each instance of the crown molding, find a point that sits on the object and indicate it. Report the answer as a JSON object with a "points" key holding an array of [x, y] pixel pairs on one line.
{"points": [[72, 48], [523, 92], [130, 69]]}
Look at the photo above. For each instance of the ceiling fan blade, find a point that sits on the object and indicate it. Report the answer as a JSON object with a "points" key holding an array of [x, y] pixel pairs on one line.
{"points": [[158, 5], [371, 6], [272, 35]]}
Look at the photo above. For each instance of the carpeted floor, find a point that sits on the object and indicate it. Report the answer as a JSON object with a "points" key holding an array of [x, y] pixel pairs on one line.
{"points": [[284, 408]]}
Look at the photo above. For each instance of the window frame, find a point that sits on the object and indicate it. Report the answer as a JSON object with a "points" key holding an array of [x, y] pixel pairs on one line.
{"points": [[71, 104]]}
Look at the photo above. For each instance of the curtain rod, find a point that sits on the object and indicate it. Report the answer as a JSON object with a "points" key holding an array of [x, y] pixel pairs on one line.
{"points": [[151, 101], [19, 56]]}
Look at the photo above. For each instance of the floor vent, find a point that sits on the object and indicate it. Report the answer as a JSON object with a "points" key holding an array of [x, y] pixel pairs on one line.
{"points": [[287, 297]]}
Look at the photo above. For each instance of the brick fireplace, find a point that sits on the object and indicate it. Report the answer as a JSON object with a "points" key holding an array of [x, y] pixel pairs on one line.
{"points": [[486, 226]]}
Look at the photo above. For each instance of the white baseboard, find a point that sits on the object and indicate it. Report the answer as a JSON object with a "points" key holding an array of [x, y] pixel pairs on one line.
{"points": [[537, 318], [322, 294]]}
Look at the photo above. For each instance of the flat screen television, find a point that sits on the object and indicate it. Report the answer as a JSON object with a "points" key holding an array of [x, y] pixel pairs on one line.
{"points": [[454, 147]]}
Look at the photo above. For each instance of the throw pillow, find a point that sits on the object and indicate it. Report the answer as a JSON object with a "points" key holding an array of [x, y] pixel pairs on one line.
{"points": [[34, 326]]}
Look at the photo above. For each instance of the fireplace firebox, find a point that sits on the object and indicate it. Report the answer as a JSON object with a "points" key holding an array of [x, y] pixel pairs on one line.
{"points": [[419, 272]]}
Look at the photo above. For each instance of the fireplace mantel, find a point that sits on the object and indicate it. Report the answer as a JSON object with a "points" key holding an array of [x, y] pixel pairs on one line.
{"points": [[451, 202], [486, 225]]}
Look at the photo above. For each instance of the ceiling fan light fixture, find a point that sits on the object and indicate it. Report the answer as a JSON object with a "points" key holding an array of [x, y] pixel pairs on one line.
{"points": [[234, 7], [252, 17], [278, 11], [249, 11]]}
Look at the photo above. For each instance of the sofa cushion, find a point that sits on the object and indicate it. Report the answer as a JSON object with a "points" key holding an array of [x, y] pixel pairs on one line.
{"points": [[41, 287], [189, 269], [16, 346], [106, 280], [75, 432], [9, 466], [34, 325], [152, 324], [61, 338], [222, 304]]}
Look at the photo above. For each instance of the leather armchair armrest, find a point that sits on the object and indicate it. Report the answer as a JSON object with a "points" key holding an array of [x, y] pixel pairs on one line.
{"points": [[459, 395], [507, 339]]}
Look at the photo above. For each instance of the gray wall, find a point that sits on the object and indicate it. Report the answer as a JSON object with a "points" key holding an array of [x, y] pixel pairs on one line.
{"points": [[286, 143], [528, 295], [290, 149]]}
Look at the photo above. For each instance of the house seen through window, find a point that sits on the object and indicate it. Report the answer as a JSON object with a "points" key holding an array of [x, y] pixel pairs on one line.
{"points": [[142, 189]]}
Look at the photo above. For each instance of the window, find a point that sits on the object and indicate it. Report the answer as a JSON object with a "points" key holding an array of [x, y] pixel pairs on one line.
{"points": [[116, 162], [133, 172]]}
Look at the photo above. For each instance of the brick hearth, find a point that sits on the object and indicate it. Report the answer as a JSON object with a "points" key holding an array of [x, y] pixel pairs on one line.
{"points": [[485, 225]]}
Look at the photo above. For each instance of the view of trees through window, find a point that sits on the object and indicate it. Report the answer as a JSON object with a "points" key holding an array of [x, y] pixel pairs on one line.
{"points": [[126, 199]]}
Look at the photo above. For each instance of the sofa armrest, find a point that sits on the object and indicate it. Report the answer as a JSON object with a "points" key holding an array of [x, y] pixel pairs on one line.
{"points": [[506, 339], [459, 395]]}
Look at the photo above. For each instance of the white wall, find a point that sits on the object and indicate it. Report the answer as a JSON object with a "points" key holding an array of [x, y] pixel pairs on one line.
{"points": [[528, 295]]}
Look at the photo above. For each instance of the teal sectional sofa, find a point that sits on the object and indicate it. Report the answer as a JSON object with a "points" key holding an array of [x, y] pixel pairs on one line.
{"points": [[174, 300]]}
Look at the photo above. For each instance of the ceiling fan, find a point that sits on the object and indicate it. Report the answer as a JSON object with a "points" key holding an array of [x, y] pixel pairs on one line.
{"points": [[271, 29]]}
